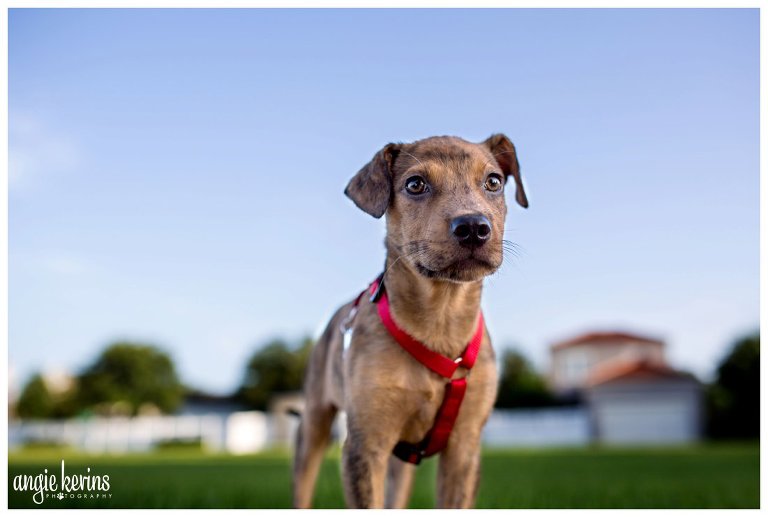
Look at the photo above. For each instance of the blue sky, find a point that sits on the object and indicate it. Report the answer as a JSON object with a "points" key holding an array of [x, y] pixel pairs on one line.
{"points": [[176, 176]]}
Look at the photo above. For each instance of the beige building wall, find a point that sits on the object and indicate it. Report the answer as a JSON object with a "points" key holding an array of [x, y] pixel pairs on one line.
{"points": [[572, 365]]}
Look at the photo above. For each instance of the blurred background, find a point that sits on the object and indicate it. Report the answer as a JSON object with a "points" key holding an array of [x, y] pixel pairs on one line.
{"points": [[178, 236]]}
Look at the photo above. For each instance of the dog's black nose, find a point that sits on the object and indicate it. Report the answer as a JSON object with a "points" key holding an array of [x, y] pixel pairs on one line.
{"points": [[471, 230]]}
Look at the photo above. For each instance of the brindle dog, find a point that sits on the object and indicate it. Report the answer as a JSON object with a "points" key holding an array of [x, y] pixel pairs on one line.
{"points": [[445, 207]]}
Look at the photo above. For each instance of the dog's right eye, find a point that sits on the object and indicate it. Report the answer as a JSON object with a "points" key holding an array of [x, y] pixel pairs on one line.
{"points": [[416, 185]]}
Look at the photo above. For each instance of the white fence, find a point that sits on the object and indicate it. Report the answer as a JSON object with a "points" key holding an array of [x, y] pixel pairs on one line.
{"points": [[538, 427], [238, 432], [252, 431]]}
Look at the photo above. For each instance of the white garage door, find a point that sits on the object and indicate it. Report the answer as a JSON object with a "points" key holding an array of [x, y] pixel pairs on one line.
{"points": [[651, 420]]}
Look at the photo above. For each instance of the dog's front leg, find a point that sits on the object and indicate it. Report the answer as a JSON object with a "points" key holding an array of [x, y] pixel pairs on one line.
{"points": [[399, 482], [458, 474], [364, 468]]}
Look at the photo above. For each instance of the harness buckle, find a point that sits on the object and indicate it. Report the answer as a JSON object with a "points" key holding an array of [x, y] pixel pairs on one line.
{"points": [[467, 371]]}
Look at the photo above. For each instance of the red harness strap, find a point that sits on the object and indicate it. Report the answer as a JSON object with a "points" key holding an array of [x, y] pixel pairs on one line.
{"points": [[437, 437]]}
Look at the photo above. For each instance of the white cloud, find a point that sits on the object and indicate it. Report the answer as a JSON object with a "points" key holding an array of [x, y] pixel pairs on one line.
{"points": [[36, 152]]}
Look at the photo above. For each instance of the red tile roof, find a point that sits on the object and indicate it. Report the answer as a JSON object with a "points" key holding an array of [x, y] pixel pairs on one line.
{"points": [[605, 338], [643, 369]]}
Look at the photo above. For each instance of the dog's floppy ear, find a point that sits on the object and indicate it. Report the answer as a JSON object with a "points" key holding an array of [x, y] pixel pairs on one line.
{"points": [[504, 151], [371, 187]]}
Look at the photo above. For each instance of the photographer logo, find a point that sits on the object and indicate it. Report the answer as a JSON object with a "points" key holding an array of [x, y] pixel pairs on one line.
{"points": [[51, 486]]}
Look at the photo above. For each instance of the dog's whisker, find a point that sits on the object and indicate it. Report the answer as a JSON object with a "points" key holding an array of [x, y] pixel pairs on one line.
{"points": [[513, 245], [512, 250]]}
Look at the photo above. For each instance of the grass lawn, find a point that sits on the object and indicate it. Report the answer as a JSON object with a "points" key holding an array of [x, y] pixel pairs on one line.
{"points": [[707, 476]]}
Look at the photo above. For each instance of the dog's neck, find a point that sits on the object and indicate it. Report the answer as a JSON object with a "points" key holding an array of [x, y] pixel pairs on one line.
{"points": [[440, 314]]}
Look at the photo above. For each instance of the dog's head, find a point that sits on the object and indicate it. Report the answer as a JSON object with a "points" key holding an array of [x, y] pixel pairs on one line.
{"points": [[444, 200]]}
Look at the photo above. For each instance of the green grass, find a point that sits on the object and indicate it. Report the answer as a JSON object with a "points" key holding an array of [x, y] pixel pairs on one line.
{"points": [[711, 476]]}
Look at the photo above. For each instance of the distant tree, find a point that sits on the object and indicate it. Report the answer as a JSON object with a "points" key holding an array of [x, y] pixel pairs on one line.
{"points": [[519, 383], [35, 400], [131, 375], [276, 367], [733, 399]]}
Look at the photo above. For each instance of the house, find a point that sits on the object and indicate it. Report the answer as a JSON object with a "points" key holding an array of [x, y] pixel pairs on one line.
{"points": [[629, 391], [575, 359]]}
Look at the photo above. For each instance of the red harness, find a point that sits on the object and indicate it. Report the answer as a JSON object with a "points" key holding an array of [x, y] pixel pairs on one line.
{"points": [[437, 437]]}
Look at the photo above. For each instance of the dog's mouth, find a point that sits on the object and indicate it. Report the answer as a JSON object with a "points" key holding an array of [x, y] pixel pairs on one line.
{"points": [[463, 270]]}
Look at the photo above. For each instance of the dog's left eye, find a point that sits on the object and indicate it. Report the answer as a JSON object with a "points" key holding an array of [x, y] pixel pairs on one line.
{"points": [[494, 183], [416, 185]]}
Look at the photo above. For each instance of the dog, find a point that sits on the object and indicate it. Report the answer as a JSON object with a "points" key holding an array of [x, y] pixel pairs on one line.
{"points": [[445, 209]]}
